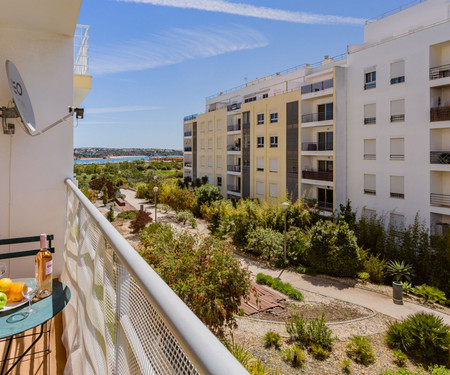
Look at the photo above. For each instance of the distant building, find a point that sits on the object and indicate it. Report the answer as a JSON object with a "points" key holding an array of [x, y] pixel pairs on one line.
{"points": [[372, 126]]}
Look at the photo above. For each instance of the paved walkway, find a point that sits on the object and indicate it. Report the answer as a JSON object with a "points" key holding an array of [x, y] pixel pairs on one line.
{"points": [[375, 301]]}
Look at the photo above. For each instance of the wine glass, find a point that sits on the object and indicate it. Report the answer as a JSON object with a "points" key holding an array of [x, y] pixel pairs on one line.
{"points": [[2, 269], [29, 292]]}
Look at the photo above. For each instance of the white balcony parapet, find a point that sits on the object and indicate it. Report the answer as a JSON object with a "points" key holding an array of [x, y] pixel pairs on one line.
{"points": [[123, 318], [81, 51]]}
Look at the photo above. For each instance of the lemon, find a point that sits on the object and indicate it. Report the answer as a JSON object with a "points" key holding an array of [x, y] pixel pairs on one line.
{"points": [[5, 284]]}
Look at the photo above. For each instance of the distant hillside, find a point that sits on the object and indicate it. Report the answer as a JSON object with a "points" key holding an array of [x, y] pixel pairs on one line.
{"points": [[96, 152]]}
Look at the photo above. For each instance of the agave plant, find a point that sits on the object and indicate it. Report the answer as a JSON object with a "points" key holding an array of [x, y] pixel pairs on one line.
{"points": [[399, 270]]}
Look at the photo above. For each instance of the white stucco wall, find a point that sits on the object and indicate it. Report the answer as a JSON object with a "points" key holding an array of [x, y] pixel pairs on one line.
{"points": [[39, 164]]}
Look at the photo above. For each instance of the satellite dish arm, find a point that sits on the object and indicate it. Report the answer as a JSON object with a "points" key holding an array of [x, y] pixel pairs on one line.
{"points": [[79, 114]]}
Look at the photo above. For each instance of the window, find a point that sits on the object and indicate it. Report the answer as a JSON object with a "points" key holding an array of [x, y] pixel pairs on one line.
{"points": [[260, 142], [398, 110], [202, 143], [260, 164], [397, 72], [325, 141], [265, 96], [210, 179], [219, 124], [273, 117], [210, 126], [210, 143], [202, 127], [210, 161], [202, 161], [260, 188], [370, 114], [219, 162], [274, 141], [260, 118], [397, 149], [273, 165], [370, 184], [369, 214], [397, 187], [370, 149], [273, 190], [397, 222], [248, 100], [219, 143], [325, 198], [370, 80], [325, 112], [219, 180], [325, 165]]}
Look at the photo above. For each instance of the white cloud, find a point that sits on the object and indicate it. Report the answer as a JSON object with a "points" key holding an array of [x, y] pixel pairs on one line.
{"points": [[135, 108], [173, 47], [247, 10]]}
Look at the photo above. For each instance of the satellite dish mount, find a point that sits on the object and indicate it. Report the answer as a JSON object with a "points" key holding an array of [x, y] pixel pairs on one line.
{"points": [[22, 107]]}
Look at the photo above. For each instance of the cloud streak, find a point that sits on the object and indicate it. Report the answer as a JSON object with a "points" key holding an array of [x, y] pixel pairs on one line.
{"points": [[241, 9], [174, 47], [96, 111]]}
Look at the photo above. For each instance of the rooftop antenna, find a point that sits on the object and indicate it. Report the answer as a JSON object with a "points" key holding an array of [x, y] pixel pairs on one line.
{"points": [[22, 107]]}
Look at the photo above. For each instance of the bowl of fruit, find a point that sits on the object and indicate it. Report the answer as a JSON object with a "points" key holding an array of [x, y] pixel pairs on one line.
{"points": [[11, 294]]}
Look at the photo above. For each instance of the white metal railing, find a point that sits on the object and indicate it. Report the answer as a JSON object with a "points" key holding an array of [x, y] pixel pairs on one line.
{"points": [[122, 317], [81, 50]]}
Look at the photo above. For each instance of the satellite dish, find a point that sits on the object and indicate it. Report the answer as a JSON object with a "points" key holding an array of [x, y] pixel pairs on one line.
{"points": [[23, 107], [21, 97]]}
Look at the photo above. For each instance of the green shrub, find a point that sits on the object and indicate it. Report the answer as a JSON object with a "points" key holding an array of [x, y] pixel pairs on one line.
{"points": [[319, 353], [296, 243], [265, 241], [432, 370], [163, 207], [363, 276], [407, 287], [360, 350], [400, 358], [110, 213], [141, 220], [129, 215], [284, 288], [206, 194], [193, 222], [346, 366], [272, 339], [429, 294], [375, 267], [294, 356], [183, 216], [306, 334], [423, 336], [332, 249]]}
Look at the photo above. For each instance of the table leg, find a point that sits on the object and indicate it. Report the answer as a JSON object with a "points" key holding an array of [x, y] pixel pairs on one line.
{"points": [[5, 357], [25, 352]]}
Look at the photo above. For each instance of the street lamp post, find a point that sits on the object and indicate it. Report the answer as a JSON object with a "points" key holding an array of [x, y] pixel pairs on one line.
{"points": [[285, 206], [155, 189]]}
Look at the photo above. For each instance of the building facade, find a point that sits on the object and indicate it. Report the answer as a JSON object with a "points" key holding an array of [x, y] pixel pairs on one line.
{"points": [[372, 126]]}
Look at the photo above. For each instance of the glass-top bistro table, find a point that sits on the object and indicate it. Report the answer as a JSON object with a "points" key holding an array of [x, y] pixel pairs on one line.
{"points": [[16, 321]]}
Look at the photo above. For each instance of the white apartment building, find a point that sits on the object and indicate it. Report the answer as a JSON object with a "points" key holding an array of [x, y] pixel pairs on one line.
{"points": [[372, 126]]}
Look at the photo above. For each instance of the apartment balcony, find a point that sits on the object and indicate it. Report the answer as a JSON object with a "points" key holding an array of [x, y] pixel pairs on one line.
{"points": [[190, 117], [234, 189], [188, 164], [234, 168], [440, 157], [188, 149], [317, 148], [234, 107], [440, 200], [321, 205], [317, 89], [438, 72], [398, 118], [317, 117], [317, 175], [82, 80], [234, 128], [188, 133], [233, 148], [440, 114]]}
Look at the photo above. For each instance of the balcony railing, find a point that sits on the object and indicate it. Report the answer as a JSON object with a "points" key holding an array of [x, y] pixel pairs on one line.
{"points": [[440, 157], [397, 195], [233, 107], [440, 114], [321, 116], [318, 86], [396, 80], [188, 134], [370, 85], [370, 120], [326, 206], [233, 148], [81, 50], [397, 156], [234, 188], [188, 149], [317, 175], [190, 117], [370, 191], [123, 318], [398, 118], [317, 146], [440, 72], [188, 164], [440, 199], [233, 127], [233, 168]]}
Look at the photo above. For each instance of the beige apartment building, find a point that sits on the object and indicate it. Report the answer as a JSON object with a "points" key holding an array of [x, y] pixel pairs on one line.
{"points": [[371, 126]]}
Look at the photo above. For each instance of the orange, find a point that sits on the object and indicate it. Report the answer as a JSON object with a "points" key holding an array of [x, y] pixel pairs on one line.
{"points": [[15, 292], [5, 284]]}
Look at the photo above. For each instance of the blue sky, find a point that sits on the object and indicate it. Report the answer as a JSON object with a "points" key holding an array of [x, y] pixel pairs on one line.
{"points": [[154, 61]]}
